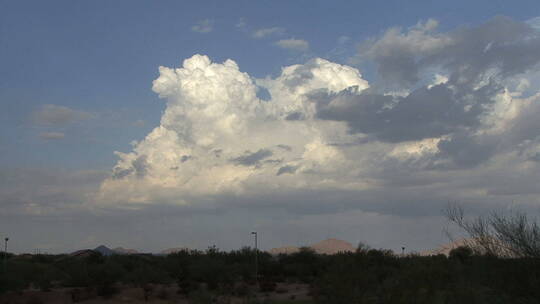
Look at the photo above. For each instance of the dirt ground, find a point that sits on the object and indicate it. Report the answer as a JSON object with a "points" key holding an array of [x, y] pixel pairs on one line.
{"points": [[159, 294]]}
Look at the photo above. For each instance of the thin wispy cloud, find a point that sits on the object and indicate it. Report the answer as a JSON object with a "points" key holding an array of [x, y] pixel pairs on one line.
{"points": [[293, 44], [51, 114], [241, 24], [52, 135], [203, 26], [264, 32]]}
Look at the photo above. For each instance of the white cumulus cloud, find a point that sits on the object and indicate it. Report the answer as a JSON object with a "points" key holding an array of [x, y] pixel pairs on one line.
{"points": [[217, 136], [458, 120]]}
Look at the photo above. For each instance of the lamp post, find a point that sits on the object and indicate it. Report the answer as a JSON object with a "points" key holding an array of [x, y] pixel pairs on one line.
{"points": [[256, 260], [5, 253]]}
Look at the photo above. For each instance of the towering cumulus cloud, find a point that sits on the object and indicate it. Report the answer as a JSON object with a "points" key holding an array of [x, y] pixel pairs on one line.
{"points": [[217, 136], [451, 113]]}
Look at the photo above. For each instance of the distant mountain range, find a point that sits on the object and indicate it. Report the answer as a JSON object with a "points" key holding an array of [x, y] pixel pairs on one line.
{"points": [[121, 250], [104, 250], [446, 248], [329, 246]]}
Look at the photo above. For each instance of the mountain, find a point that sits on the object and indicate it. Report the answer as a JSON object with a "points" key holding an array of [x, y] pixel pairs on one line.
{"points": [[84, 253], [446, 248], [121, 250], [104, 250], [332, 246], [329, 246], [284, 250]]}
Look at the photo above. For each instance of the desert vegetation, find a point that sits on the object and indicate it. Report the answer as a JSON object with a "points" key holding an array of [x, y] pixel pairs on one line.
{"points": [[505, 235], [215, 276]]}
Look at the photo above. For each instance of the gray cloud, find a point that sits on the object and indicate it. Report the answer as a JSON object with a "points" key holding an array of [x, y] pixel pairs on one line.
{"points": [[294, 116], [478, 61], [535, 157], [287, 169], [301, 75], [252, 158], [119, 173], [139, 167], [285, 147], [467, 53], [424, 113], [467, 151]]}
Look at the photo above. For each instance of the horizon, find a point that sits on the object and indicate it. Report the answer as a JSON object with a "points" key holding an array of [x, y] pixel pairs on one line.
{"points": [[330, 247], [192, 124]]}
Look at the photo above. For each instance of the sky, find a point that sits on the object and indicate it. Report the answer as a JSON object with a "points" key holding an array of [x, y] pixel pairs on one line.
{"points": [[158, 124]]}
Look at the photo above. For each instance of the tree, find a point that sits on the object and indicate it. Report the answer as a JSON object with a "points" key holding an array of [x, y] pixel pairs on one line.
{"points": [[498, 234]]}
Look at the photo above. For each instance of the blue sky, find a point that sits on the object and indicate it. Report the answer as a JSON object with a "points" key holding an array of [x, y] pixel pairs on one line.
{"points": [[76, 86]]}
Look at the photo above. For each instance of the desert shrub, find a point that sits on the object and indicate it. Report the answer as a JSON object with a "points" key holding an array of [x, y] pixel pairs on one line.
{"points": [[163, 294], [499, 234], [187, 286], [242, 290], [267, 286], [147, 275], [461, 253], [34, 299], [82, 294], [106, 290], [147, 291], [201, 296], [281, 290]]}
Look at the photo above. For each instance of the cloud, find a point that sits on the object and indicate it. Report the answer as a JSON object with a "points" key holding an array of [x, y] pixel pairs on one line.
{"points": [[326, 142], [51, 135], [424, 113], [241, 23], [139, 123], [467, 54], [250, 159], [264, 32], [286, 169], [453, 87], [235, 140], [203, 26], [34, 191], [50, 114], [323, 126], [534, 23], [344, 39], [396, 52], [293, 44]]}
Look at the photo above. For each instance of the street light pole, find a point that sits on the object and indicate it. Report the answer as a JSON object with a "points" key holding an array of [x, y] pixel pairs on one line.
{"points": [[256, 258], [5, 254]]}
